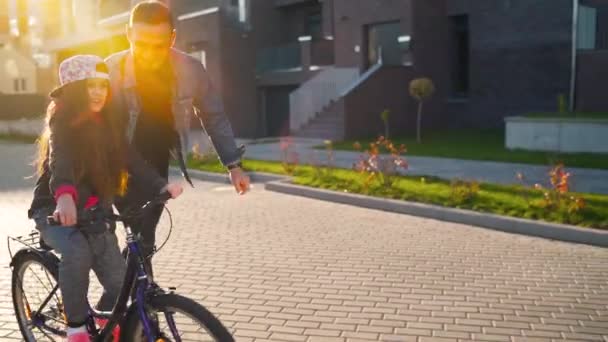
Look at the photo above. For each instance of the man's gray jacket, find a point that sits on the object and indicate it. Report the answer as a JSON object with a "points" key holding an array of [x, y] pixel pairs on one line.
{"points": [[192, 94]]}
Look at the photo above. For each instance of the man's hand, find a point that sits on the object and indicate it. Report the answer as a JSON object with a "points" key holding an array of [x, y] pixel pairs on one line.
{"points": [[65, 212], [175, 189], [240, 180]]}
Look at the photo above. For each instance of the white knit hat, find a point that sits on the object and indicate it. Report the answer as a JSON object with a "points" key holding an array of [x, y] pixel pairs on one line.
{"points": [[78, 68]]}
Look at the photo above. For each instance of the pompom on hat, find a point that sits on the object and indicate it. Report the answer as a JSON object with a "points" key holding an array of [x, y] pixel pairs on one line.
{"points": [[79, 68]]}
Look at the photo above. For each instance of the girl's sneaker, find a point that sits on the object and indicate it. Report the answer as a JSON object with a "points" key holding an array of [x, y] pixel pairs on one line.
{"points": [[101, 323], [79, 337]]}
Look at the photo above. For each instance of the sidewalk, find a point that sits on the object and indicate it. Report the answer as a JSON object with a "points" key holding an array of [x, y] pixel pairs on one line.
{"points": [[583, 180]]}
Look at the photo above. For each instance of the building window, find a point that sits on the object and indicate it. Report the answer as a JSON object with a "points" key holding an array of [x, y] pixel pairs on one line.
{"points": [[587, 28], [238, 11], [314, 25], [382, 41], [459, 54], [20, 85], [243, 10], [592, 28]]}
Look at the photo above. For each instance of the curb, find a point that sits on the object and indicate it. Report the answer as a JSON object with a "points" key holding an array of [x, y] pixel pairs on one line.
{"points": [[561, 232], [554, 231], [256, 177]]}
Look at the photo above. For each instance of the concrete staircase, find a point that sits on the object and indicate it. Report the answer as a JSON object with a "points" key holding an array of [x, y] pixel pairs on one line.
{"points": [[316, 107], [327, 124], [313, 106]]}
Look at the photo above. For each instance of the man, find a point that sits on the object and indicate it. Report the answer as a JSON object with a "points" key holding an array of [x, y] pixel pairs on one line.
{"points": [[161, 88]]}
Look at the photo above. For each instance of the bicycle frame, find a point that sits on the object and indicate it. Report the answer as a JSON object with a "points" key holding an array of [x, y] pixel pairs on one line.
{"points": [[136, 275]]}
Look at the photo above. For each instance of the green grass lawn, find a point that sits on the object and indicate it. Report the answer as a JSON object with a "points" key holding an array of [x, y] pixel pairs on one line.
{"points": [[506, 200], [484, 145], [18, 137]]}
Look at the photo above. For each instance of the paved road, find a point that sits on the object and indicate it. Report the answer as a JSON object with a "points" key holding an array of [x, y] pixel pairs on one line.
{"points": [[282, 268]]}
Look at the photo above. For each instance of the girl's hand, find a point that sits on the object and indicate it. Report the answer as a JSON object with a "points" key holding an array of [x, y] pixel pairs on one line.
{"points": [[65, 211]]}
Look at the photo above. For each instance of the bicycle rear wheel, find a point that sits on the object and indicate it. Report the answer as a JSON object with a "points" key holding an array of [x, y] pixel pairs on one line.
{"points": [[39, 310], [179, 319]]}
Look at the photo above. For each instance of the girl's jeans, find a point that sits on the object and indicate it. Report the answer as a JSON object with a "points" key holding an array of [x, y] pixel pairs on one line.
{"points": [[80, 254]]}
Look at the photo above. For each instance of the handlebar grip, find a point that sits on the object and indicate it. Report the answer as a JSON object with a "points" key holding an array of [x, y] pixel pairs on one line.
{"points": [[164, 196], [51, 221], [161, 198]]}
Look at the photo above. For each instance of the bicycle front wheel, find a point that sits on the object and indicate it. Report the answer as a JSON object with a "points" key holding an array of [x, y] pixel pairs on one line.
{"points": [[179, 319]]}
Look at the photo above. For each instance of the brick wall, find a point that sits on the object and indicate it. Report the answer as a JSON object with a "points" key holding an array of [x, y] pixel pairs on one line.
{"points": [[519, 58]]}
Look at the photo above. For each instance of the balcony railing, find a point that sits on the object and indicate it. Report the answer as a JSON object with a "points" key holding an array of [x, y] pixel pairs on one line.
{"points": [[282, 57], [283, 3], [183, 7]]}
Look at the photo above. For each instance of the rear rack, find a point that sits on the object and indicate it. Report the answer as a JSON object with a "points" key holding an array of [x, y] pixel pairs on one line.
{"points": [[32, 240]]}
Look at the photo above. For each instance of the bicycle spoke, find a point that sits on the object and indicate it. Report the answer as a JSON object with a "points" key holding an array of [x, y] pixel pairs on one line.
{"points": [[40, 280], [53, 319], [51, 281], [25, 299], [43, 285], [48, 298], [39, 290], [46, 335]]}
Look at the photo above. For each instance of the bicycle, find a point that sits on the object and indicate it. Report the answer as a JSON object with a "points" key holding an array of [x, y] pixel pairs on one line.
{"points": [[139, 321]]}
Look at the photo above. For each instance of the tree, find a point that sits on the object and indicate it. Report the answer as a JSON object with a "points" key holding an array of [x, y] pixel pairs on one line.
{"points": [[385, 115], [421, 89]]}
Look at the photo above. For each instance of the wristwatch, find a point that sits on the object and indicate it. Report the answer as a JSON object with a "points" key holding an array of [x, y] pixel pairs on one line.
{"points": [[235, 165]]}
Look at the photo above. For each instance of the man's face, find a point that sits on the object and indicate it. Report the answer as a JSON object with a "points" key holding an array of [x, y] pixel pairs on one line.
{"points": [[150, 44]]}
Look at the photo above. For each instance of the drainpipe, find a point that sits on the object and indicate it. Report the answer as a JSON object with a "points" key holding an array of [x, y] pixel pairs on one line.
{"points": [[575, 7]]}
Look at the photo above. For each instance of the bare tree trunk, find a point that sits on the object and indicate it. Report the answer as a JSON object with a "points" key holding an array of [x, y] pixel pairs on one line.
{"points": [[386, 130], [418, 123]]}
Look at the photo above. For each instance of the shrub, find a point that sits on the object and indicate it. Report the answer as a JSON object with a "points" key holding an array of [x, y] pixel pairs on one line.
{"points": [[372, 165]]}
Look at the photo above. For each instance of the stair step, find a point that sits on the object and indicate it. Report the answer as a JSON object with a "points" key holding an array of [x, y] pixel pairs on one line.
{"points": [[322, 118], [328, 115], [320, 135], [330, 119], [323, 128], [327, 120], [333, 137], [328, 124]]}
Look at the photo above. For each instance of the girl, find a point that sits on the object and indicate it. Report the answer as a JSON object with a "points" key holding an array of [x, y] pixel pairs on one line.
{"points": [[86, 160]]}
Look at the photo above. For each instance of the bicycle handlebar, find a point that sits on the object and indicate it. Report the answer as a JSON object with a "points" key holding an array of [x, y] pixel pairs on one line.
{"points": [[92, 215]]}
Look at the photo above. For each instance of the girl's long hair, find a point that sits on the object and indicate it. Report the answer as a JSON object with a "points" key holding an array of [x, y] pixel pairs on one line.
{"points": [[97, 148]]}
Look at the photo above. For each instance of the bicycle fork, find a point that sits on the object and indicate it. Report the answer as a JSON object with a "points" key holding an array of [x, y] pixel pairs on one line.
{"points": [[142, 284]]}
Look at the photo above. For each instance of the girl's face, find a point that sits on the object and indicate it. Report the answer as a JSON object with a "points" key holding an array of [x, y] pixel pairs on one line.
{"points": [[97, 88]]}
